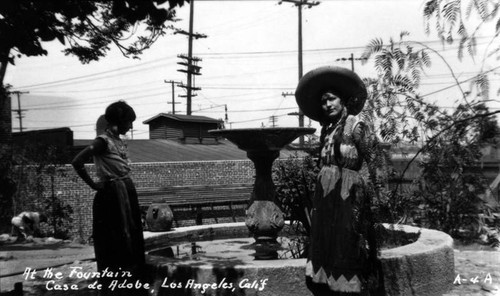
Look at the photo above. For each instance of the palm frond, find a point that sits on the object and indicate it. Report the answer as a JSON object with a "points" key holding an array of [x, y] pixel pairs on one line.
{"points": [[383, 62], [471, 46], [373, 47], [425, 58], [461, 47], [415, 74], [403, 34], [483, 85], [461, 30], [440, 30], [481, 7], [468, 9], [451, 12], [430, 8], [403, 83], [400, 58]]}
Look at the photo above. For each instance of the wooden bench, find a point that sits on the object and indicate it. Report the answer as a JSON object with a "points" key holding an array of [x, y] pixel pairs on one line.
{"points": [[200, 202]]}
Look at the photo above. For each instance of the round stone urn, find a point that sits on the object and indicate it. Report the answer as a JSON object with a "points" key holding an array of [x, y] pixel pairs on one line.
{"points": [[159, 217]]}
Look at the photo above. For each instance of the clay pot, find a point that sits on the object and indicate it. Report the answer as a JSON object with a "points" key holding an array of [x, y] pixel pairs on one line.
{"points": [[159, 217]]}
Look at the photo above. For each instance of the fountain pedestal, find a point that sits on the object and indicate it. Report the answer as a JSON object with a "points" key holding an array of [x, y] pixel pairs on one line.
{"points": [[264, 218]]}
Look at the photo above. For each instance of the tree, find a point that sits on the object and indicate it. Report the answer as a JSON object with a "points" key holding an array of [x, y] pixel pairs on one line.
{"points": [[450, 186], [465, 20], [87, 28], [448, 191]]}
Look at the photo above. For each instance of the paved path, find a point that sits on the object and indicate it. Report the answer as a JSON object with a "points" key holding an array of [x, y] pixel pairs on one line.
{"points": [[39, 254], [476, 273]]}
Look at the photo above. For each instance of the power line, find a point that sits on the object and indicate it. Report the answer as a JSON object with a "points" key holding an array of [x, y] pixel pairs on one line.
{"points": [[255, 110], [86, 104], [460, 82], [92, 77], [256, 119], [98, 104], [352, 59], [220, 87], [348, 48]]}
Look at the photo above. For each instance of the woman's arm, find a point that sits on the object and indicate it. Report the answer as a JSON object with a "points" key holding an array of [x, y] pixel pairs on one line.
{"points": [[97, 147]]}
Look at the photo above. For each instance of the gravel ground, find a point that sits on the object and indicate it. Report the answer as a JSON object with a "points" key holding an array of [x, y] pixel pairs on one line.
{"points": [[477, 271], [477, 268]]}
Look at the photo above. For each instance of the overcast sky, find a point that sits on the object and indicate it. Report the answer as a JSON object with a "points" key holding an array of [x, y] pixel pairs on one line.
{"points": [[249, 59]]}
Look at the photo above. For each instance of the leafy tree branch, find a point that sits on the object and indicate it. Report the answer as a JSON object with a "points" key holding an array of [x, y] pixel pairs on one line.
{"points": [[431, 140]]}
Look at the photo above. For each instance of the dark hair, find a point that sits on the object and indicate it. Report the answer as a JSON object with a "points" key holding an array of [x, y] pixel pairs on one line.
{"points": [[338, 93], [119, 113]]}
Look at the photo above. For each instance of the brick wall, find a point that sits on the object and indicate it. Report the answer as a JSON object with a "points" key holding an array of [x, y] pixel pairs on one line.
{"points": [[69, 187], [192, 173]]}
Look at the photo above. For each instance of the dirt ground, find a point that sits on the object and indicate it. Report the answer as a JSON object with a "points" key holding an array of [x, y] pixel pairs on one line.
{"points": [[18, 258], [477, 268]]}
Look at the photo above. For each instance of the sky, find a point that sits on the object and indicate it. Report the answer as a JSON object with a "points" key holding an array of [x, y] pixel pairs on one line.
{"points": [[249, 64]]}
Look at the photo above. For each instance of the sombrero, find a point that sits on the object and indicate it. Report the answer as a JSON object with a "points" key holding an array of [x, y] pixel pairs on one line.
{"points": [[343, 82]]}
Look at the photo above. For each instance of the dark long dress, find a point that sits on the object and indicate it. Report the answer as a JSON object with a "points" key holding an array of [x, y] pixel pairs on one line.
{"points": [[117, 229], [342, 252]]}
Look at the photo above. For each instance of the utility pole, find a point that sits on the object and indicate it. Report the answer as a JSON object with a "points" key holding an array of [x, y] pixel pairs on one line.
{"points": [[286, 94], [352, 59], [189, 61], [173, 102], [226, 119], [299, 4], [19, 110], [273, 119]]}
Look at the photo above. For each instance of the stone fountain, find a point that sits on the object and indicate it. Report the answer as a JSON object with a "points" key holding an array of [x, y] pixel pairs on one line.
{"points": [[264, 217], [424, 267]]}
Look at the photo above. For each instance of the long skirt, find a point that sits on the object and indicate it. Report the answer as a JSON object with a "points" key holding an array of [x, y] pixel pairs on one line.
{"points": [[118, 237], [342, 259]]}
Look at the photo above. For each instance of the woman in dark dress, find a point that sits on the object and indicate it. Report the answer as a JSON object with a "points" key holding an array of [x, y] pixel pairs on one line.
{"points": [[342, 258], [117, 228]]}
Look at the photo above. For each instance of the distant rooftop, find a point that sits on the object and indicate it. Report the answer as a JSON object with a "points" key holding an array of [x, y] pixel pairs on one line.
{"points": [[161, 150], [184, 118]]}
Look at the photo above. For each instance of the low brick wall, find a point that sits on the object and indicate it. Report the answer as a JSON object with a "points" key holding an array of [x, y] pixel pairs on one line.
{"points": [[72, 190], [188, 215]]}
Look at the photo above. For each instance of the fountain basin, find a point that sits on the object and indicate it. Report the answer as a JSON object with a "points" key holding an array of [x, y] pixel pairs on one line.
{"points": [[425, 267], [258, 139]]}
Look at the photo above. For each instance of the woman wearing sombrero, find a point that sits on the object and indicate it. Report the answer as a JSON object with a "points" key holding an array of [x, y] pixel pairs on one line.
{"points": [[342, 258]]}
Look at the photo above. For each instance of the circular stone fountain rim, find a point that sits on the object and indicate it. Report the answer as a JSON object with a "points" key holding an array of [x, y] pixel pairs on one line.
{"points": [[424, 267], [428, 241]]}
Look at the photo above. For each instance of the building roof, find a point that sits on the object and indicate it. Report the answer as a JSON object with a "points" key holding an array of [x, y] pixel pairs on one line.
{"points": [[44, 131], [162, 150], [183, 118]]}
